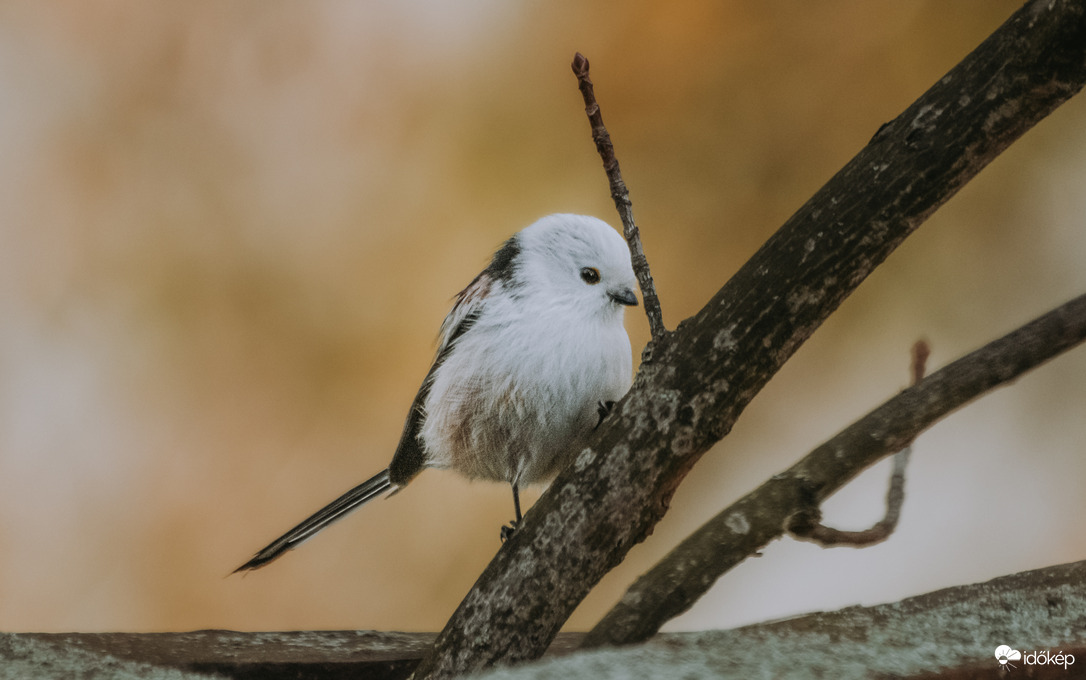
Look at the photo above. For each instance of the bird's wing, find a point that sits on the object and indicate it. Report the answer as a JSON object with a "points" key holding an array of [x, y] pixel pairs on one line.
{"points": [[466, 309], [410, 459]]}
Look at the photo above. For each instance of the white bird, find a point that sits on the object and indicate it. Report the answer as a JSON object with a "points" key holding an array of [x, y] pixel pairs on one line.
{"points": [[530, 358]]}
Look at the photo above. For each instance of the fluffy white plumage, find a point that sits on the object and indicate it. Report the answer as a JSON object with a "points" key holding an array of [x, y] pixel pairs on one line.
{"points": [[517, 395], [530, 352]]}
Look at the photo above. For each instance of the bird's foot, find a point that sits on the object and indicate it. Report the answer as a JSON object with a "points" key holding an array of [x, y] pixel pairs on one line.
{"points": [[508, 530], [604, 409]]}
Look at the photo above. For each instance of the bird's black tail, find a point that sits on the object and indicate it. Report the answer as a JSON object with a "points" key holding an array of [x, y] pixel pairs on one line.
{"points": [[359, 495]]}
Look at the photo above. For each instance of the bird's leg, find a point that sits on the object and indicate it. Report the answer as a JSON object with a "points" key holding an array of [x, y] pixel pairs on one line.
{"points": [[604, 409], [507, 531]]}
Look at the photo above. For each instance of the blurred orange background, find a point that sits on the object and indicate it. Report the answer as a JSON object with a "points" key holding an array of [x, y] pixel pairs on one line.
{"points": [[230, 231]]}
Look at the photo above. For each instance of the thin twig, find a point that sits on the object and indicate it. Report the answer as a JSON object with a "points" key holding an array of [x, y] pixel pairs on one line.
{"points": [[687, 572], [621, 196], [807, 525]]}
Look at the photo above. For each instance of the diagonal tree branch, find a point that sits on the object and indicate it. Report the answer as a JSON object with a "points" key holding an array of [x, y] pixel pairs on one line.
{"points": [[688, 571], [706, 371]]}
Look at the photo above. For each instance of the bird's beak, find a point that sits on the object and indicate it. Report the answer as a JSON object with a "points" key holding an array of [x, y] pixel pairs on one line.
{"points": [[623, 296]]}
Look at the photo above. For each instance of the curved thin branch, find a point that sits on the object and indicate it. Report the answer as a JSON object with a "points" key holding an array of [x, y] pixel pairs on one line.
{"points": [[807, 526], [688, 571], [705, 372]]}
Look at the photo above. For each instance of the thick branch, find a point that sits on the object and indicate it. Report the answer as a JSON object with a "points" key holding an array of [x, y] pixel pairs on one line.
{"points": [[947, 634], [1034, 610], [706, 372], [688, 571]]}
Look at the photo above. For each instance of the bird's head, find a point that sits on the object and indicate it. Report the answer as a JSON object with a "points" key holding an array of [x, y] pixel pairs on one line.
{"points": [[571, 260]]}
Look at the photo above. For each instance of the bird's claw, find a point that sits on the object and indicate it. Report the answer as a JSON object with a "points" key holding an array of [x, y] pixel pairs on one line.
{"points": [[603, 408], [508, 531]]}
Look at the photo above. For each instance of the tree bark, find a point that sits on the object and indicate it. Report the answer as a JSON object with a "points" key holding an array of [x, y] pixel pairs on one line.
{"points": [[950, 633], [688, 571], [947, 634], [703, 375]]}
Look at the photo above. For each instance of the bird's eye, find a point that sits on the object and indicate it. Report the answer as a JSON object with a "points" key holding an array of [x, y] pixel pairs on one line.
{"points": [[590, 275]]}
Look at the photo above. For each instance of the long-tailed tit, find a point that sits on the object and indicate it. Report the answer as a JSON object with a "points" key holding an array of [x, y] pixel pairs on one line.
{"points": [[531, 355]]}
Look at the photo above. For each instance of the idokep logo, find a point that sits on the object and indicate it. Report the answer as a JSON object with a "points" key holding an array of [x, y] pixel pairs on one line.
{"points": [[1005, 655]]}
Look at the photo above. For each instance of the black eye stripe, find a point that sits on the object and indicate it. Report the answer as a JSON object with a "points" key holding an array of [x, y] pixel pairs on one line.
{"points": [[590, 275]]}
